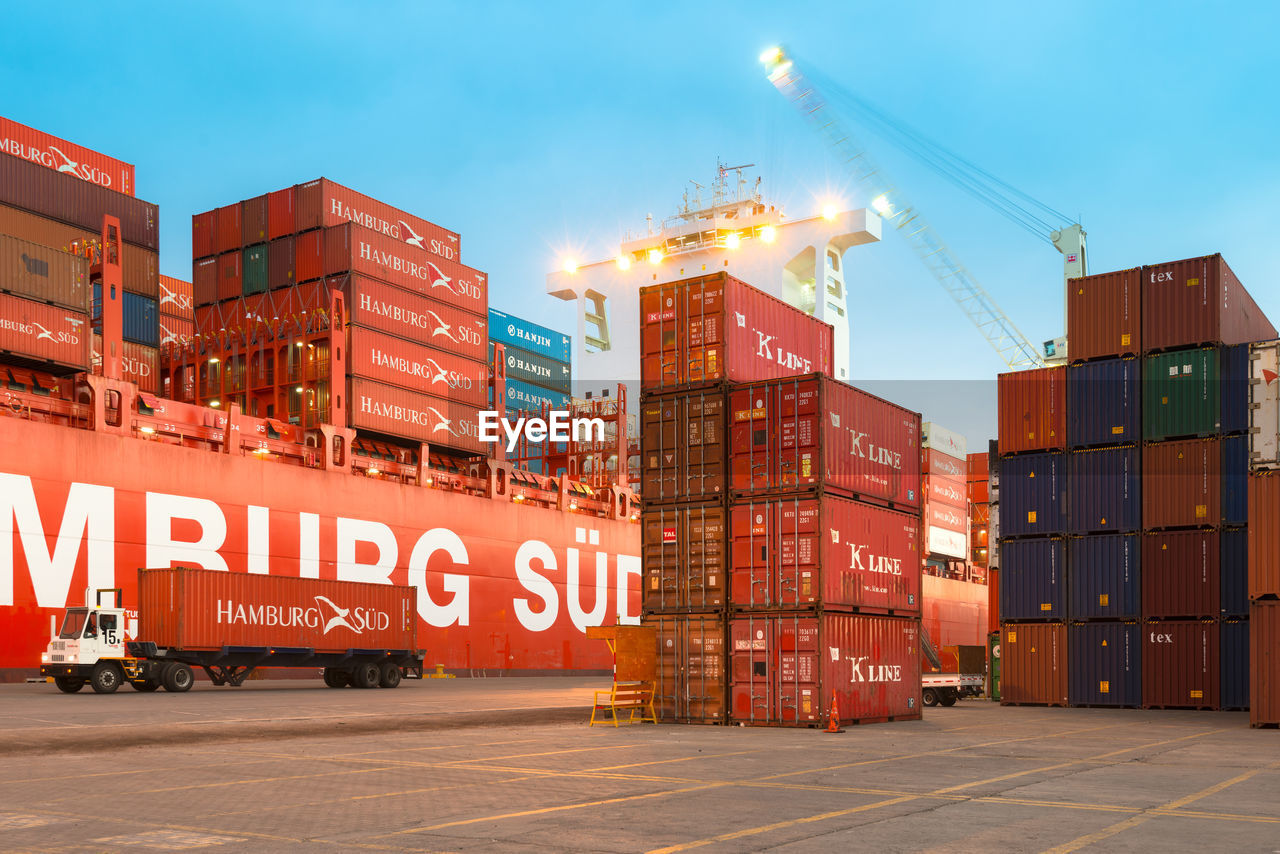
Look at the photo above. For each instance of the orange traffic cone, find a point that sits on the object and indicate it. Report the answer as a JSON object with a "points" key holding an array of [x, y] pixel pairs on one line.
{"points": [[833, 724]]}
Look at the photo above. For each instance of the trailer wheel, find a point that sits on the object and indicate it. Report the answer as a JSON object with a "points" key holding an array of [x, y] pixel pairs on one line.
{"points": [[106, 677], [335, 678], [929, 697], [389, 676], [178, 678], [146, 686], [365, 675], [68, 684], [948, 698]]}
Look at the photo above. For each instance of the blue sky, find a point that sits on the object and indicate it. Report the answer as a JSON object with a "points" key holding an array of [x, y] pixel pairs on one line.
{"points": [[536, 129]]}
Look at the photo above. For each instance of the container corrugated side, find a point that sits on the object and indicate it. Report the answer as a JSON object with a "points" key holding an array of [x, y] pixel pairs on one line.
{"points": [[1235, 480], [323, 203], [684, 446], [1182, 484], [1106, 664], [939, 438], [1233, 640], [37, 331], [139, 268], [204, 235], [176, 297], [1032, 410], [282, 268], [945, 491], [1104, 316], [1264, 405], [227, 225], [1104, 403], [1104, 490], [1181, 575], [1181, 397], [1033, 585], [406, 314], [1033, 495], [684, 554], [141, 319], [255, 269], [1033, 664], [1233, 571], [1180, 665], [204, 281], [43, 273], [230, 275], [508, 329], [692, 668], [1264, 535], [531, 399], [281, 213], [1233, 380], [176, 330], [253, 221], [1264, 663], [139, 364], [1198, 301], [63, 156], [536, 370], [412, 415], [1104, 577], [394, 361]]}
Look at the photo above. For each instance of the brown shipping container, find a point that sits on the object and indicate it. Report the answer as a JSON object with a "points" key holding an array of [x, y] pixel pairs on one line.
{"points": [[140, 267], [945, 491], [785, 669], [203, 234], [204, 281], [44, 333], [1033, 665], [228, 228], [197, 609], [43, 273], [938, 464], [394, 361], [691, 668], [176, 297], [823, 552], [140, 364], [253, 221], [684, 446], [1180, 575], [1264, 663], [1198, 301], [66, 157], [322, 203], [816, 432], [176, 330], [412, 415], [683, 549], [1180, 666], [1032, 410], [410, 315], [42, 191], [230, 275], [712, 328], [308, 256], [1182, 484], [281, 271], [352, 249], [1104, 315], [1264, 535], [281, 216]]}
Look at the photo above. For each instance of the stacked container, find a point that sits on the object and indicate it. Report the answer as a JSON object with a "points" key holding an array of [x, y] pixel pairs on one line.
{"points": [[944, 488], [538, 366], [1263, 536]]}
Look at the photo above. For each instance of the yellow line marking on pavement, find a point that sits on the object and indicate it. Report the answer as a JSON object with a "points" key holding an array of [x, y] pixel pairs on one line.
{"points": [[1098, 836], [672, 761], [353, 798], [257, 780], [531, 755], [188, 769], [1221, 816]]}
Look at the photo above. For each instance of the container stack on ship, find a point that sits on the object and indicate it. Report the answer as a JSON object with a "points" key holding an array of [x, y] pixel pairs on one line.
{"points": [[538, 364], [781, 529], [1263, 575]]}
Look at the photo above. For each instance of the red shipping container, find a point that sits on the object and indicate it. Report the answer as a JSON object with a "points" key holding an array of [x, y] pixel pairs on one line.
{"points": [[684, 446], [308, 256], [787, 668], [944, 516], [938, 464], [1033, 664], [716, 327], [979, 466], [1180, 666], [177, 331], [690, 684], [204, 228], [228, 228], [65, 157], [1032, 410], [44, 333], [394, 361], [43, 273], [1264, 536], [1182, 484], [1264, 663], [196, 609], [177, 297], [814, 431], [281, 272], [1180, 575], [230, 275], [253, 221], [140, 267], [993, 599], [281, 216], [324, 203], [139, 363], [1104, 317], [1196, 302], [204, 281], [823, 552], [350, 248], [410, 315], [412, 415], [683, 549], [979, 492], [945, 491]]}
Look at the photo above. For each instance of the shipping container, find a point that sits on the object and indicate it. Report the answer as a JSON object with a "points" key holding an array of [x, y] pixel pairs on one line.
{"points": [[177, 331], [941, 439], [411, 415], [322, 203], [1104, 577], [1181, 396], [536, 370], [230, 275], [715, 327], [938, 464], [813, 432], [940, 541], [281, 269], [1180, 664], [308, 256], [1182, 484], [253, 221], [945, 491], [139, 269], [1181, 575], [1235, 480], [1032, 412], [204, 281], [1033, 583], [395, 361], [683, 550], [798, 553], [200, 609], [139, 364], [692, 668], [1233, 380], [1104, 490], [787, 669], [533, 400], [176, 297], [1264, 664], [1233, 570], [36, 331], [1104, 317], [352, 249], [281, 215], [1264, 405], [1264, 536], [1197, 302], [254, 270], [1106, 664], [228, 228], [204, 235], [43, 273], [141, 320], [1104, 403], [1233, 639], [1033, 663], [684, 446], [1033, 495], [979, 491], [62, 156], [945, 516], [526, 335], [405, 314]]}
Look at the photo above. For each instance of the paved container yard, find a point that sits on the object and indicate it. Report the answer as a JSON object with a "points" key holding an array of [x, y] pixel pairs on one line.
{"points": [[510, 765]]}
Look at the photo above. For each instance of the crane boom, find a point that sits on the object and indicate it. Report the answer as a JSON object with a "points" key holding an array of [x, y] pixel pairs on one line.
{"points": [[1005, 338]]}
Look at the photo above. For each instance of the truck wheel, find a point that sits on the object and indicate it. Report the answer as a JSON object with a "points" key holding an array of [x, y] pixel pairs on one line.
{"points": [[390, 675], [106, 677], [68, 684], [929, 697], [178, 678], [335, 678], [365, 675], [146, 686], [949, 698]]}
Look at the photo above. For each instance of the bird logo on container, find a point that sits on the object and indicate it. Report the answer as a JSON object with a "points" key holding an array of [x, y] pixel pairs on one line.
{"points": [[440, 280], [442, 328], [44, 333], [339, 618], [441, 375], [416, 240], [742, 319], [68, 165], [445, 424]]}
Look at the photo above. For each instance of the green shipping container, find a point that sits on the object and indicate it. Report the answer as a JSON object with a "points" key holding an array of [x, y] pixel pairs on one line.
{"points": [[255, 270], [1180, 395]]}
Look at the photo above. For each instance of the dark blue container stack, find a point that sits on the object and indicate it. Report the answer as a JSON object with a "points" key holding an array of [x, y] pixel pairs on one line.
{"points": [[538, 363]]}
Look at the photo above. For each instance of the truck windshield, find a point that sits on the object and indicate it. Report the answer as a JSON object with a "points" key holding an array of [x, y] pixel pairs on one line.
{"points": [[73, 623]]}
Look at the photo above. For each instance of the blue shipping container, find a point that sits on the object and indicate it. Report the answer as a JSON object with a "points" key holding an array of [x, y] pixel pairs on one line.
{"points": [[535, 369], [532, 399], [1102, 577], [1233, 380], [1104, 664], [1233, 646], [1233, 571], [141, 317], [1235, 480], [1032, 582], [1104, 403], [509, 329], [1105, 490], [1033, 495]]}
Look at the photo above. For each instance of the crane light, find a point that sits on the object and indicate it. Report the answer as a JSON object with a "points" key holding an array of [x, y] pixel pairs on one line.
{"points": [[768, 234], [570, 265], [772, 55], [732, 240], [880, 204], [624, 262], [655, 256], [830, 211]]}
